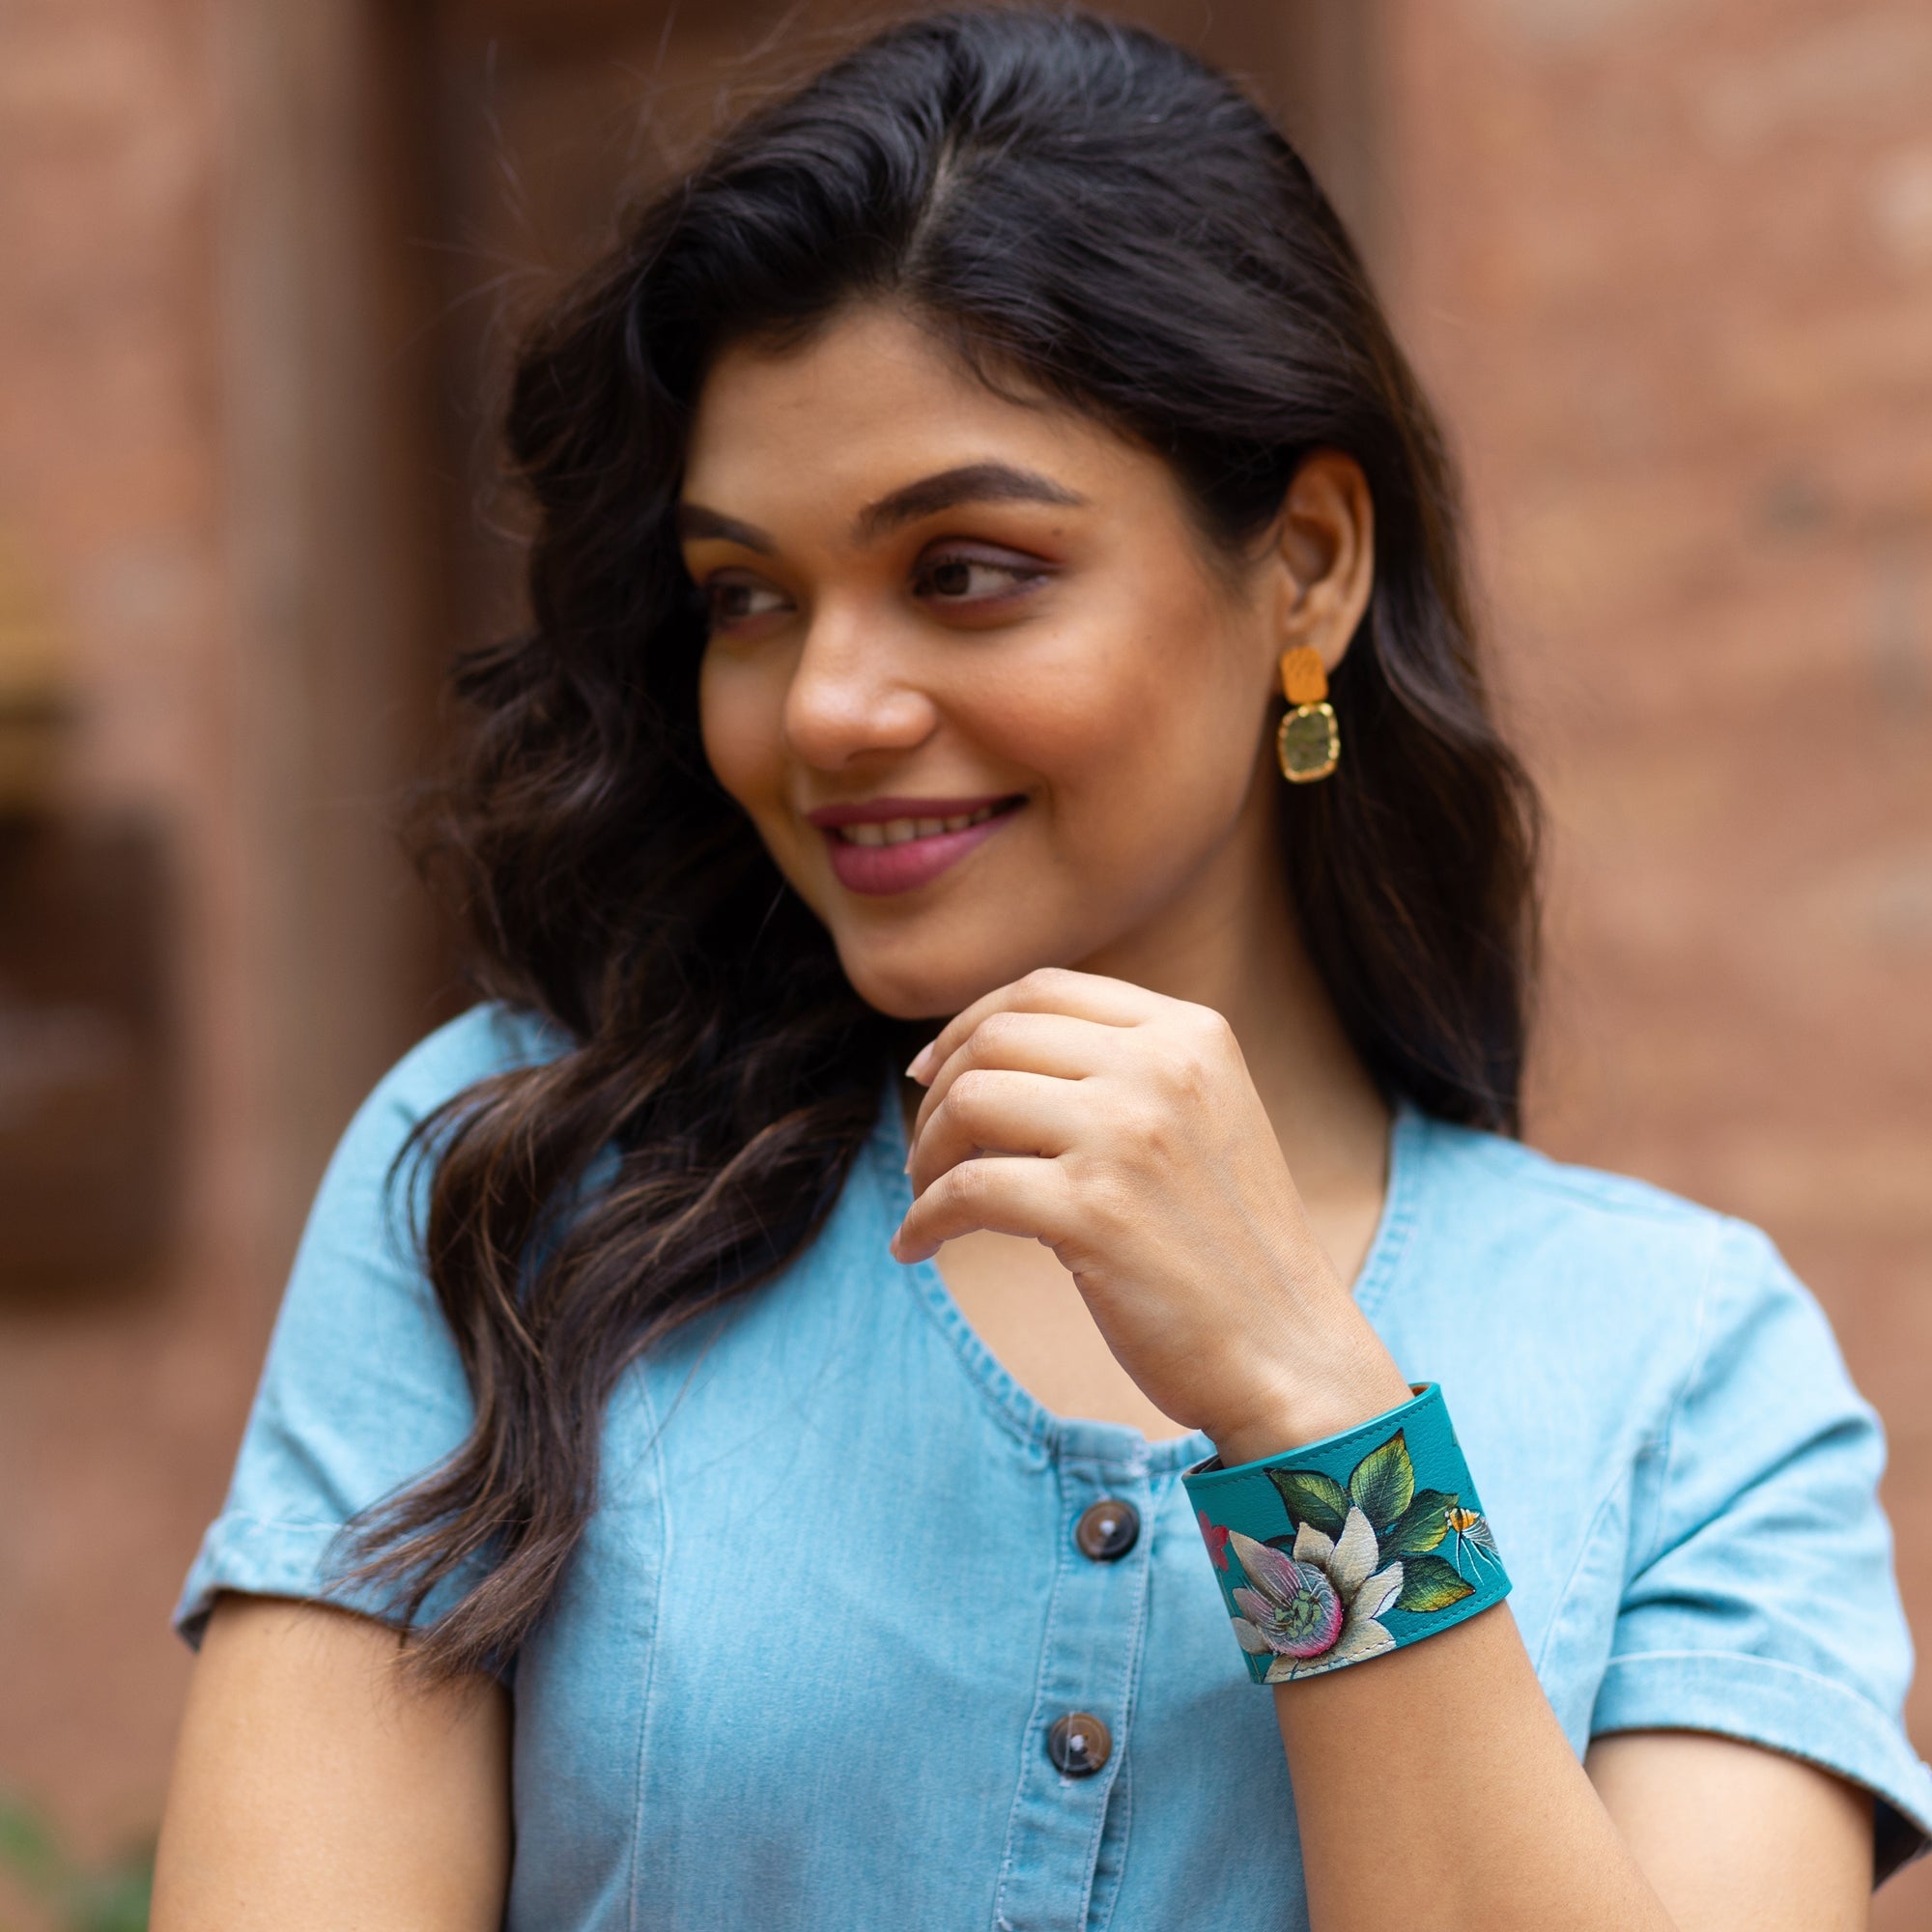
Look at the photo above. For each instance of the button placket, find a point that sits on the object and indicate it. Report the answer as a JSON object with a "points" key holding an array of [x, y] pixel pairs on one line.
{"points": [[1084, 1697]]}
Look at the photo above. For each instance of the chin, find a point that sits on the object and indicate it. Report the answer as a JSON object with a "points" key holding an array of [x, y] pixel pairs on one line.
{"points": [[928, 983]]}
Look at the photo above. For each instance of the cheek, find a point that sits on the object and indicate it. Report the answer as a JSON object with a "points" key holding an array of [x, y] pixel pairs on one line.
{"points": [[740, 720], [1147, 739]]}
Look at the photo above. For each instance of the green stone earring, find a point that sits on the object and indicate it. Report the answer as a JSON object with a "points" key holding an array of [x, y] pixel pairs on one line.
{"points": [[1309, 744]]}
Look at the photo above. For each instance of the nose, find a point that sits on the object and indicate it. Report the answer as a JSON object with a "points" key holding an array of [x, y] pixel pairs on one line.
{"points": [[852, 693]]}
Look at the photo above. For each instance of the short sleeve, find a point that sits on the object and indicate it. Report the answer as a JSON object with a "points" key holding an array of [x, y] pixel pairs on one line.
{"points": [[363, 1390], [1762, 1605]]}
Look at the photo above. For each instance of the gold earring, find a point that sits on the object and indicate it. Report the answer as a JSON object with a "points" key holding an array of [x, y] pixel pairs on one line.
{"points": [[1309, 744]]}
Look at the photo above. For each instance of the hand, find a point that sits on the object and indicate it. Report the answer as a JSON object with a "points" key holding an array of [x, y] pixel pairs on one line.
{"points": [[1120, 1128]]}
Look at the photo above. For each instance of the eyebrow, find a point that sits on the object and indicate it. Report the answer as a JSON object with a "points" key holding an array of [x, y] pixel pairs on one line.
{"points": [[947, 490], [694, 520], [970, 483]]}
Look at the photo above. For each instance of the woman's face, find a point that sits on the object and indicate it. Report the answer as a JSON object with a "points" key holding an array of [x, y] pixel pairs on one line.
{"points": [[971, 673]]}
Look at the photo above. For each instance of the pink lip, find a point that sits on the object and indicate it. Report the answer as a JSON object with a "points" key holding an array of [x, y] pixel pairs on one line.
{"points": [[877, 870]]}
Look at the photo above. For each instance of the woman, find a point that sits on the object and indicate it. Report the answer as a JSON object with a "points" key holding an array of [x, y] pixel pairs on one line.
{"points": [[963, 502]]}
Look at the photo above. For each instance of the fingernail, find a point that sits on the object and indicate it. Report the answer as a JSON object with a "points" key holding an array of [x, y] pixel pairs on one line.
{"points": [[917, 1070]]}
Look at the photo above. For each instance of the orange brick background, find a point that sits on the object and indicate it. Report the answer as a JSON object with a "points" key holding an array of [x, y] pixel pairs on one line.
{"points": [[1667, 268]]}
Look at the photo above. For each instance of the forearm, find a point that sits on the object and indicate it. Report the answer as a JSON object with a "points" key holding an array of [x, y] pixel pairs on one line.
{"points": [[1435, 1788]]}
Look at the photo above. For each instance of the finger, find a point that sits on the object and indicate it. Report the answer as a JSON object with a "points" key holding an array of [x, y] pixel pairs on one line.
{"points": [[1026, 1043], [994, 1110], [1007, 1193], [1049, 989]]}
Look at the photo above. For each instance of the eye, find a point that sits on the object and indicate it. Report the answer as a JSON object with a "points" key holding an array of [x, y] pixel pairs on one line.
{"points": [[976, 577], [732, 600]]}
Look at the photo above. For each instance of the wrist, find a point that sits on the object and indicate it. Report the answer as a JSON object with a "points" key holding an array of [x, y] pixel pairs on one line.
{"points": [[1290, 1415]]}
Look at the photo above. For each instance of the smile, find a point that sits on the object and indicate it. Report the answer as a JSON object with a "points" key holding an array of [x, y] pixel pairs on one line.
{"points": [[895, 844], [901, 831]]}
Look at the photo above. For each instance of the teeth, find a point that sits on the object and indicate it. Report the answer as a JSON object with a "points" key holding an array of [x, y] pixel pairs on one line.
{"points": [[898, 831]]}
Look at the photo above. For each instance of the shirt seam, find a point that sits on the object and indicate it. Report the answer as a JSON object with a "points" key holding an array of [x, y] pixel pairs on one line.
{"points": [[1700, 1343], [1773, 1664], [1585, 1546], [301, 1525], [1001, 1923], [1129, 1680]]}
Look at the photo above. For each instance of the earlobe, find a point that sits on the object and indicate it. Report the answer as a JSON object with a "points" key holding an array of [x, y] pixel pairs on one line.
{"points": [[1326, 550]]}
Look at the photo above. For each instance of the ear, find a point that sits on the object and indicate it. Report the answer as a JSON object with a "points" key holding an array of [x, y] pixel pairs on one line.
{"points": [[1325, 556]]}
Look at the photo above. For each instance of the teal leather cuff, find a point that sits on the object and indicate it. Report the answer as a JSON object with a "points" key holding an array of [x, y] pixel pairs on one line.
{"points": [[1351, 1546]]}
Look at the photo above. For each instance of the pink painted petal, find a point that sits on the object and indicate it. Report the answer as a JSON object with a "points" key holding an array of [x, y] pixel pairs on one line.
{"points": [[1215, 1537], [1311, 1546], [1258, 1609], [1271, 1572], [1356, 1555], [1249, 1637]]}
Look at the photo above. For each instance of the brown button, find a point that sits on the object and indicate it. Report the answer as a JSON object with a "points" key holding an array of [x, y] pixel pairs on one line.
{"points": [[1107, 1529], [1079, 1744]]}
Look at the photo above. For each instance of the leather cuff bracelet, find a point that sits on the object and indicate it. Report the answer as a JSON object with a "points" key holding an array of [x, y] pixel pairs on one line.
{"points": [[1351, 1547]]}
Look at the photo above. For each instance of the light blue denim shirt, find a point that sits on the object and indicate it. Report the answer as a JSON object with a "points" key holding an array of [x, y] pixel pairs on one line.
{"points": [[802, 1672]]}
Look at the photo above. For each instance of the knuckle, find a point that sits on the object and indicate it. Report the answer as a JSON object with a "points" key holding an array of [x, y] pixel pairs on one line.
{"points": [[1193, 1072], [970, 1089], [995, 1034], [1206, 1031], [969, 1182]]}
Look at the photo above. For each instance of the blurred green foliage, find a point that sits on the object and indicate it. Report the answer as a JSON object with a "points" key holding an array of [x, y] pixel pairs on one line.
{"points": [[79, 1897]]}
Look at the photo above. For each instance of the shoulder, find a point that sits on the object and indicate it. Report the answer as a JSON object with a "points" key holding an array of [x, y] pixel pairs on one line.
{"points": [[363, 1388], [1583, 1225], [488, 1040], [1644, 1294], [1509, 1173], [359, 1203]]}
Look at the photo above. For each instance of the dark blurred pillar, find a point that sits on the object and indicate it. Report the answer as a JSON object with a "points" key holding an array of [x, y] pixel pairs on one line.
{"points": [[328, 293]]}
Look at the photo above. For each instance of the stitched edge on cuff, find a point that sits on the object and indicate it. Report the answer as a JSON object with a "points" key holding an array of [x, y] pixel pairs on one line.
{"points": [[258, 1557]]}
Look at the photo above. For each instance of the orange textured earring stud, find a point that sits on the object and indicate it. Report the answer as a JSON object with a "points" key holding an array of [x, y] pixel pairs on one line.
{"points": [[1309, 744]]}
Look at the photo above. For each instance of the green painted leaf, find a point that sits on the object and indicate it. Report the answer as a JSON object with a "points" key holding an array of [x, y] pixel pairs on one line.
{"points": [[1428, 1583], [1313, 1497], [1383, 1484], [1420, 1526]]}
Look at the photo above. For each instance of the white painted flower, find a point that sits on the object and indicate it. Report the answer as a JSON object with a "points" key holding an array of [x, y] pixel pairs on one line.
{"points": [[1315, 1609]]}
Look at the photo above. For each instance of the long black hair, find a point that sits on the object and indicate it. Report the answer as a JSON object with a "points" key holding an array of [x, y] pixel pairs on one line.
{"points": [[1066, 201]]}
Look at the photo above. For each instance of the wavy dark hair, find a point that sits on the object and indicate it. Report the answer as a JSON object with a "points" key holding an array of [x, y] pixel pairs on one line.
{"points": [[1075, 207]]}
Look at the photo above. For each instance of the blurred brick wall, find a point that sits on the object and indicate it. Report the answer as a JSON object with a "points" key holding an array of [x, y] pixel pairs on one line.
{"points": [[1667, 268], [114, 1415], [211, 459]]}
